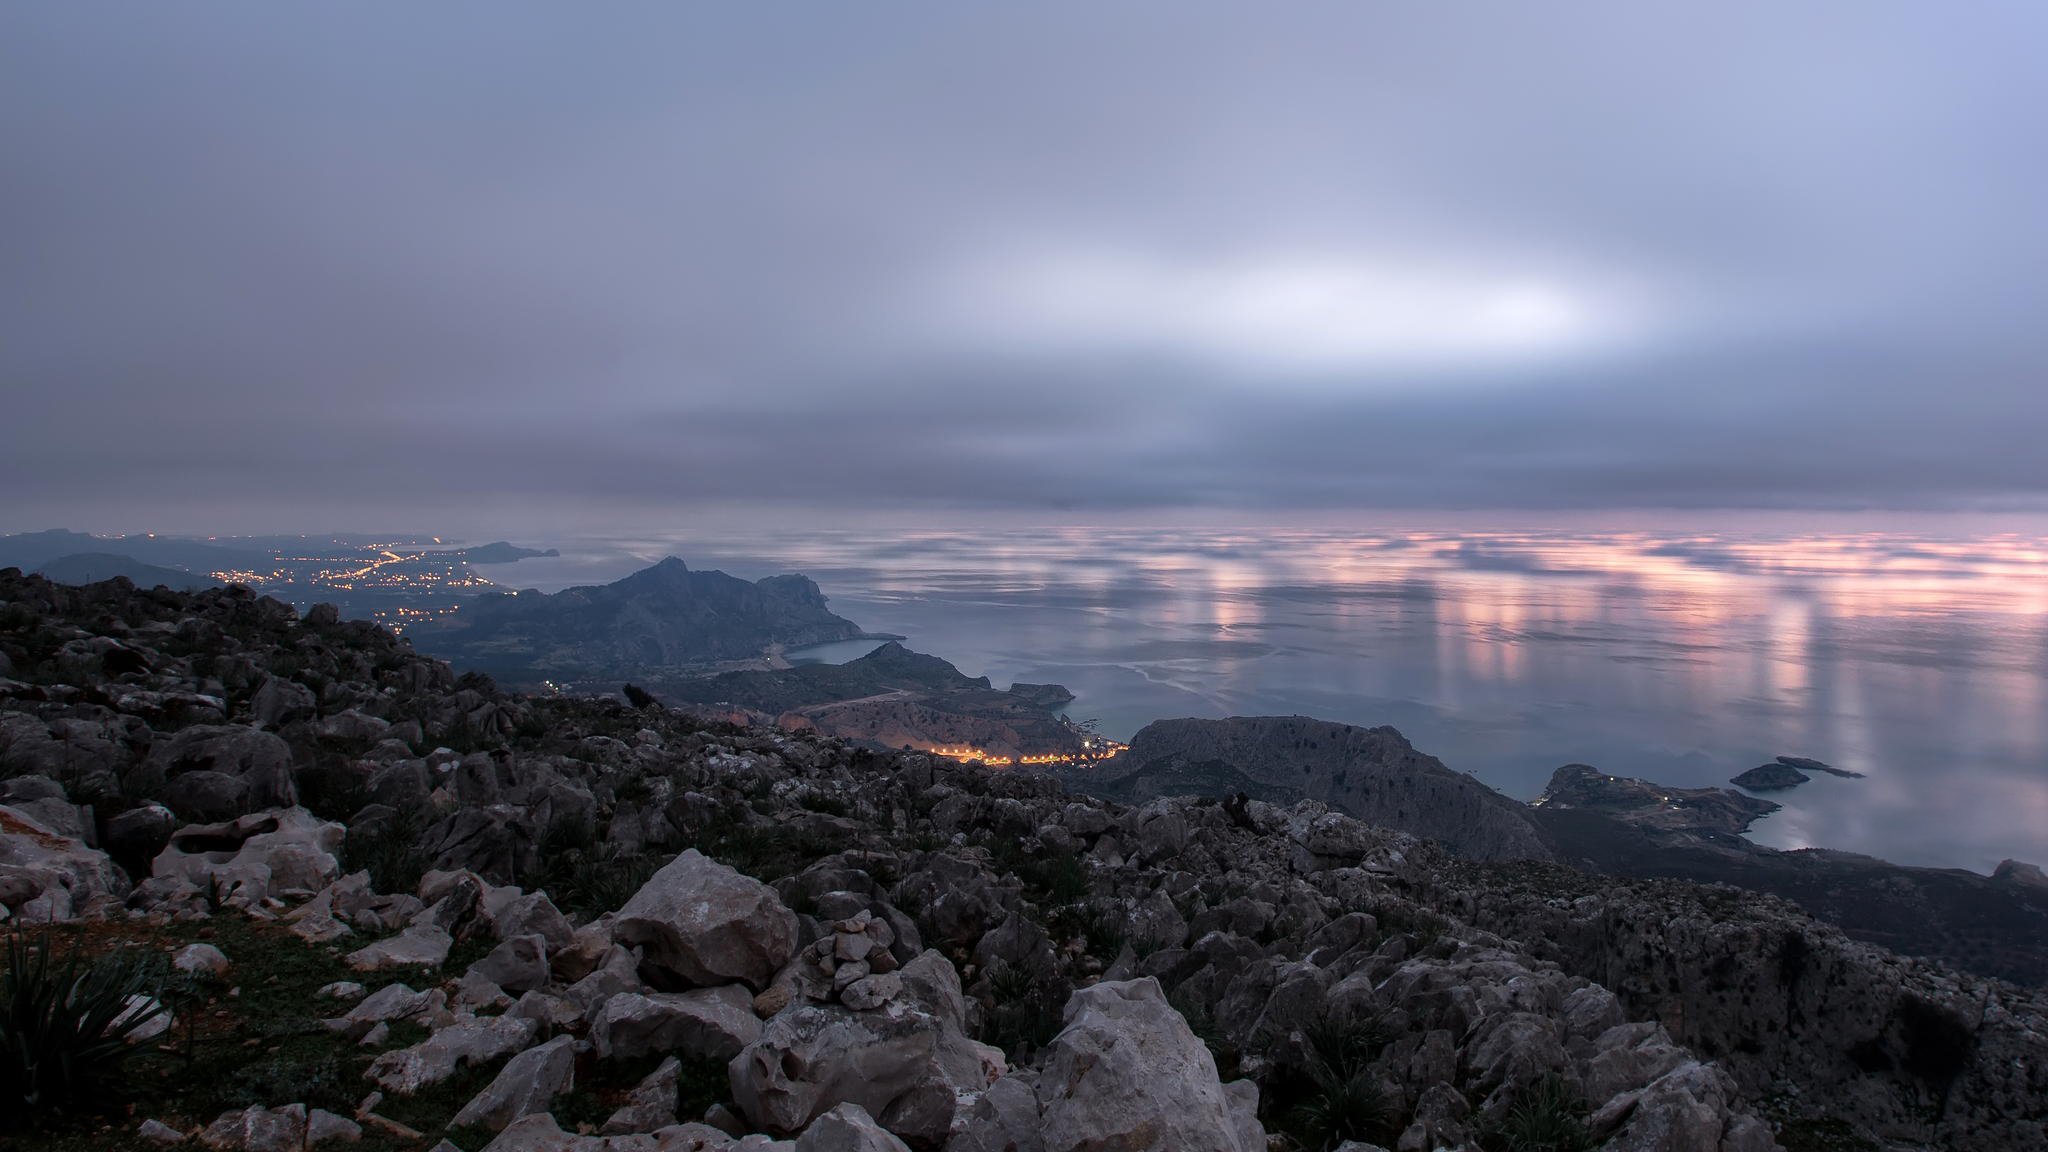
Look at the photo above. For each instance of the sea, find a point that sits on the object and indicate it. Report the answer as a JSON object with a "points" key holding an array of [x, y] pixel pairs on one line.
{"points": [[1682, 653]]}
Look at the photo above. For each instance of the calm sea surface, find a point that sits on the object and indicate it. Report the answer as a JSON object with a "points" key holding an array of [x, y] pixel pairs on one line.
{"points": [[1678, 657]]}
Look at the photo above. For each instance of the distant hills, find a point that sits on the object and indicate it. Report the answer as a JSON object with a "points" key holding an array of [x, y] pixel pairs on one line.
{"points": [[666, 617], [1371, 773], [32, 551], [92, 567]]}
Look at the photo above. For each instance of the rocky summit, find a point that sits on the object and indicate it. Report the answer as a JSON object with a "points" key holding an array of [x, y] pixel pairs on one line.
{"points": [[397, 908]]}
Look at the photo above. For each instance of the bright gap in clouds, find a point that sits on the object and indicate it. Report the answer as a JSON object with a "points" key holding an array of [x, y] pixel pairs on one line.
{"points": [[1280, 315]]}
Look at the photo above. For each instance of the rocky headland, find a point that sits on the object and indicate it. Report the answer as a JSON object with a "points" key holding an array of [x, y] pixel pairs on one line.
{"points": [[409, 910], [891, 698], [658, 621]]}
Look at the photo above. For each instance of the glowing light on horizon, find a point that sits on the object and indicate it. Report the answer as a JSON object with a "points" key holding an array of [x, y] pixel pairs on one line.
{"points": [[1290, 314]]}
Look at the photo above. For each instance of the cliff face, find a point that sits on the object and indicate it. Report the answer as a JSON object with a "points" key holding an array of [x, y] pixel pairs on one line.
{"points": [[662, 617], [1371, 773]]}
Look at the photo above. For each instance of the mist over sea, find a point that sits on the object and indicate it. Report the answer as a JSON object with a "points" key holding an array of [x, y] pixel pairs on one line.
{"points": [[1683, 657]]}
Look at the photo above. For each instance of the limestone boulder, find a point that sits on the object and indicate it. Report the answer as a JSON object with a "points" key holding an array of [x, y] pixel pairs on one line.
{"points": [[1125, 1072], [526, 1085], [908, 1062], [276, 853], [46, 877], [703, 924]]}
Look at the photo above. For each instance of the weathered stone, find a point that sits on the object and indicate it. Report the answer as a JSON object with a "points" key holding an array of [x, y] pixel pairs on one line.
{"points": [[46, 877], [702, 923], [519, 964], [259, 764], [391, 1002], [159, 1133], [848, 1128], [813, 1056], [462, 1044], [256, 856], [423, 946], [534, 915], [526, 1085], [708, 1023], [201, 960], [324, 1128], [258, 1129], [1004, 1118], [1126, 1072]]}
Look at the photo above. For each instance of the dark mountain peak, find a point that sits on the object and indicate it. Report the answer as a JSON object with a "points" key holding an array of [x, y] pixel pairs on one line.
{"points": [[663, 616], [893, 659]]}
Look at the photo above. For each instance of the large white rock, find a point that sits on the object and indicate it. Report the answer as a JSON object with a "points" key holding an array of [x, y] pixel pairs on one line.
{"points": [[286, 850], [908, 1063], [1125, 1073], [45, 876], [702, 923]]}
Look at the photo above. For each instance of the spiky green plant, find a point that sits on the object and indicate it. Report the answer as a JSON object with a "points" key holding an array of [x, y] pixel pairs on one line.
{"points": [[1546, 1117], [1352, 1107], [65, 1023]]}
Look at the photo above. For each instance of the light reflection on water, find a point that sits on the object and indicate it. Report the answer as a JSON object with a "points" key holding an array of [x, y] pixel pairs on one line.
{"points": [[1681, 657]]}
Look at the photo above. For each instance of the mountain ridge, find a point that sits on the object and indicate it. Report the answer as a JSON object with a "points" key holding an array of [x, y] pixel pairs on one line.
{"points": [[663, 617]]}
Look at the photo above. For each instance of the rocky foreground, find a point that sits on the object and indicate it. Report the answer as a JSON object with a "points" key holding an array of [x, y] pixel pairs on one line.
{"points": [[567, 924]]}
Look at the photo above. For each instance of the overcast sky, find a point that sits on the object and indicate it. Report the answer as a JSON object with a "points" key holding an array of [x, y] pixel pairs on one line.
{"points": [[278, 267]]}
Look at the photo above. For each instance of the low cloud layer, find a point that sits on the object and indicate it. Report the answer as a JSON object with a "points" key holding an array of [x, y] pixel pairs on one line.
{"points": [[382, 263]]}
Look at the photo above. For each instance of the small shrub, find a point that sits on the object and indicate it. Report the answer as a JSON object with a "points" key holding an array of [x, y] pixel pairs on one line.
{"points": [[389, 851], [1026, 1012], [825, 805], [1337, 1098], [1104, 928], [585, 875], [64, 1024], [1348, 1108], [1342, 1044], [1546, 1117]]}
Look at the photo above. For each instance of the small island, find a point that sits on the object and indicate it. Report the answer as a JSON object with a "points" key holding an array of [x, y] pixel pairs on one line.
{"points": [[1787, 772], [1772, 777]]}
